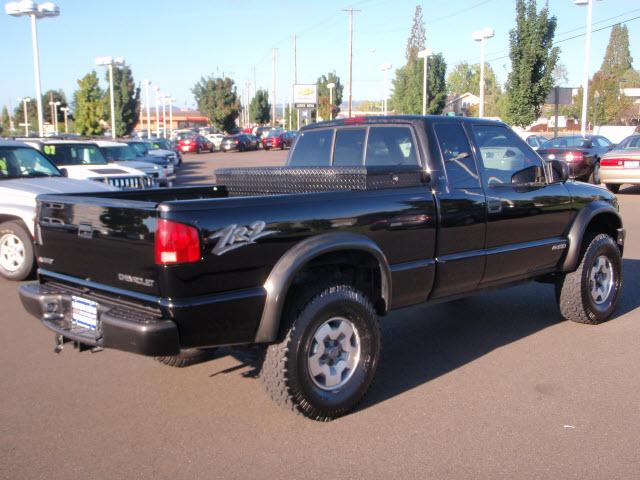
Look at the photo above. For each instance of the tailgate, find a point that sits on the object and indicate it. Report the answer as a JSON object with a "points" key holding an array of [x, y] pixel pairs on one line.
{"points": [[104, 240]]}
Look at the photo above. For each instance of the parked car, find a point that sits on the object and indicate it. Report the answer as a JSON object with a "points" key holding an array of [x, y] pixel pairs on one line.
{"points": [[83, 160], [261, 132], [622, 164], [288, 138], [195, 144], [164, 144], [273, 139], [145, 148], [581, 154], [239, 142], [24, 174], [216, 139], [161, 169], [535, 141], [373, 219]]}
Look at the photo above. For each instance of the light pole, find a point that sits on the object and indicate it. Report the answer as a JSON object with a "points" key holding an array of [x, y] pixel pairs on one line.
{"points": [[425, 54], [385, 67], [164, 116], [110, 62], [146, 82], [481, 36], [171, 100], [65, 110], [54, 113], [24, 101], [157, 112], [34, 11], [585, 73], [331, 86]]}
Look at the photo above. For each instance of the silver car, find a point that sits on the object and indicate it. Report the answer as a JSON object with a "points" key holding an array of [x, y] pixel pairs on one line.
{"points": [[622, 164]]}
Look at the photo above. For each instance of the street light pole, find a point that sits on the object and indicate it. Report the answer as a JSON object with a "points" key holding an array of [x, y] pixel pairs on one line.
{"points": [[157, 113], [65, 110], [109, 62], [385, 67], [146, 82], [164, 116], [34, 11], [171, 100], [24, 101], [585, 73], [481, 36], [331, 86], [425, 54]]}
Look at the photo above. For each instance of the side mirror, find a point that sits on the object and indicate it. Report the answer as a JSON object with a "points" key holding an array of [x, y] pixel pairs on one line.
{"points": [[559, 171], [64, 172], [532, 174]]}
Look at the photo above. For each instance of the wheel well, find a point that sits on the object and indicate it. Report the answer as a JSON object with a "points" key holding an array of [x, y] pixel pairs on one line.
{"points": [[10, 218], [357, 268], [604, 223]]}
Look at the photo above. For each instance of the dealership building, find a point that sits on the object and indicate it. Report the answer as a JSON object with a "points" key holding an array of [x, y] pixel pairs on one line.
{"points": [[181, 118]]}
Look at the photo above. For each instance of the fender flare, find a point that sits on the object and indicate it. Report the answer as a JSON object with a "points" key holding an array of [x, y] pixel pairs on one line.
{"points": [[579, 226], [285, 270], [23, 214]]}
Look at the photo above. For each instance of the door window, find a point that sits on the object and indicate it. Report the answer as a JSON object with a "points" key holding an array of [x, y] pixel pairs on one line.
{"points": [[388, 146], [456, 155], [506, 159], [601, 142], [313, 149], [349, 148]]}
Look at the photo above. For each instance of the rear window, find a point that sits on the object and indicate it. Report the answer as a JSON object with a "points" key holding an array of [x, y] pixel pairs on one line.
{"points": [[349, 148], [66, 154], [571, 142], [391, 146], [313, 148]]}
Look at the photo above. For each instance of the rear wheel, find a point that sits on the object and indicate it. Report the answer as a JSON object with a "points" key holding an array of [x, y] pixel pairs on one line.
{"points": [[613, 187], [327, 359], [590, 293], [17, 260]]}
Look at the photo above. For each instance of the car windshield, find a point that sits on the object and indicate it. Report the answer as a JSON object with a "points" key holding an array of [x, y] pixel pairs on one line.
{"points": [[631, 143], [570, 142], [62, 154], [139, 148], [25, 162], [158, 144], [274, 133], [122, 153]]}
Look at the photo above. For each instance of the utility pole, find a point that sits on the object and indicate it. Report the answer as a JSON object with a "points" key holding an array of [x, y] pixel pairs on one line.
{"points": [[275, 74], [350, 10], [295, 81]]}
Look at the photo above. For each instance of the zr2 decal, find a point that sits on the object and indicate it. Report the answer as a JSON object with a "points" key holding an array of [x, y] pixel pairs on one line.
{"points": [[236, 236]]}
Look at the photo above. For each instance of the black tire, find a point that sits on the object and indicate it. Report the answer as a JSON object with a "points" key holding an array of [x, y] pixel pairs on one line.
{"points": [[17, 234], [573, 293], [613, 187], [187, 357], [285, 370], [594, 177]]}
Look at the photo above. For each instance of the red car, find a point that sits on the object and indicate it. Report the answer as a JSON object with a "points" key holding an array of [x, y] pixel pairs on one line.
{"points": [[195, 144], [273, 139]]}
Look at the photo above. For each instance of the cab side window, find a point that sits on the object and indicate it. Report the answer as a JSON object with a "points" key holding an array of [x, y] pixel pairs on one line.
{"points": [[506, 159], [349, 148], [456, 155], [390, 146]]}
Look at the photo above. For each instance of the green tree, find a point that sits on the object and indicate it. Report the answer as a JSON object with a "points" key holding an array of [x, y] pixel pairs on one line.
{"points": [[407, 86], [324, 106], [5, 122], [466, 78], [533, 59], [89, 106], [617, 59], [217, 99], [260, 108], [53, 96], [126, 100], [294, 117]]}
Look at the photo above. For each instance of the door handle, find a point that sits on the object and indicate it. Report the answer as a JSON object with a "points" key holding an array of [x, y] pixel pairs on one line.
{"points": [[494, 206]]}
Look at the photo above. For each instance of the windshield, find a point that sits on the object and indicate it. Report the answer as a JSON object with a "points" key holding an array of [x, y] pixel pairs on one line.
{"points": [[630, 143], [25, 162], [122, 153], [140, 149], [570, 142], [274, 133], [158, 144], [62, 154]]}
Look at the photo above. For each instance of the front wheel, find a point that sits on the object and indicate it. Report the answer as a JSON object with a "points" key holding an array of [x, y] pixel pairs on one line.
{"points": [[590, 294], [328, 356], [17, 260], [613, 187]]}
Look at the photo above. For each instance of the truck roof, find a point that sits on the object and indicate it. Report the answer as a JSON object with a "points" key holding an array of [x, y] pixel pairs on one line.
{"points": [[372, 120]]}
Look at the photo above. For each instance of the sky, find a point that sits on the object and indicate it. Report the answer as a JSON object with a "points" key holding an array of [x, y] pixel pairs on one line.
{"points": [[174, 44]]}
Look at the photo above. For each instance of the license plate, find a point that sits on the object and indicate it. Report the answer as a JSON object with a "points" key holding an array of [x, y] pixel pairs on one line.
{"points": [[84, 313], [632, 164]]}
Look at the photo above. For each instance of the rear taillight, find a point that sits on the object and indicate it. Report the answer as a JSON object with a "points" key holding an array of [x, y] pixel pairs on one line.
{"points": [[574, 156], [176, 243], [612, 162], [237, 142]]}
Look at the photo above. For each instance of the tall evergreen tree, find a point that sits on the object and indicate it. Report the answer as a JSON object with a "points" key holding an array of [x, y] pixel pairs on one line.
{"points": [[260, 108], [89, 106], [5, 122], [217, 99], [407, 86], [533, 59], [324, 108], [126, 99], [617, 59]]}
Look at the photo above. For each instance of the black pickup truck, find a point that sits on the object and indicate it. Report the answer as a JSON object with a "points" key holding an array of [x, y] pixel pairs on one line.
{"points": [[369, 215]]}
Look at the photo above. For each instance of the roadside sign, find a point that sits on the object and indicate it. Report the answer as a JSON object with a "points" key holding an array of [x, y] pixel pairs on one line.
{"points": [[559, 95], [305, 95]]}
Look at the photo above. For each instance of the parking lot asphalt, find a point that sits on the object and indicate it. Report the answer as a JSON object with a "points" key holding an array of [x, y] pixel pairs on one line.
{"points": [[493, 386]]}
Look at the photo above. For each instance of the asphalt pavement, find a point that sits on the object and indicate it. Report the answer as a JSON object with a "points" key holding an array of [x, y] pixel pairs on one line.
{"points": [[493, 386]]}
